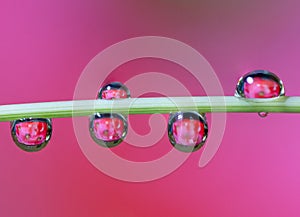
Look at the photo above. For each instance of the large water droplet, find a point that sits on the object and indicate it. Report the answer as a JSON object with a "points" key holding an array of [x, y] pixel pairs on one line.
{"points": [[187, 131], [31, 134], [259, 84]]}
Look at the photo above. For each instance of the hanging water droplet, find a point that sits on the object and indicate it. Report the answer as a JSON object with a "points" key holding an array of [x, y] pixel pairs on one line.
{"points": [[107, 129], [263, 114], [114, 90], [187, 131], [31, 134], [259, 84]]}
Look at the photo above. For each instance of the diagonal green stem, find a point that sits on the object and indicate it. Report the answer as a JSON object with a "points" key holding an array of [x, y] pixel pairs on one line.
{"points": [[148, 106]]}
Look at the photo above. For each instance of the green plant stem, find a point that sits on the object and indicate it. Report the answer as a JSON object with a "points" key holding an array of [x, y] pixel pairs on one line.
{"points": [[162, 105]]}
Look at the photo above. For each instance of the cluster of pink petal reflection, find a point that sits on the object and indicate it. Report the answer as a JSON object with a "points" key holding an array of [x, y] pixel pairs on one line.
{"points": [[108, 129], [114, 94], [259, 87], [188, 132], [31, 132]]}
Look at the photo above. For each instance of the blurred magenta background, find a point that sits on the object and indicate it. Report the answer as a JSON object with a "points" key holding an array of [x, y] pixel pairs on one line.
{"points": [[44, 47]]}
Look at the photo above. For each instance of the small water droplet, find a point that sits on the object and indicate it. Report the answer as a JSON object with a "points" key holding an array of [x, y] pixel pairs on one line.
{"points": [[187, 131], [263, 114], [114, 90], [31, 134]]}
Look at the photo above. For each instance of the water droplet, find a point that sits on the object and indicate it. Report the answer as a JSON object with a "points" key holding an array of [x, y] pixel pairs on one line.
{"points": [[263, 114], [107, 129], [187, 131], [114, 90], [259, 84], [31, 134]]}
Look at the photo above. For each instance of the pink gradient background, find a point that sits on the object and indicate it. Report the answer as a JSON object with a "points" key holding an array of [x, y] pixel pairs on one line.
{"points": [[44, 47]]}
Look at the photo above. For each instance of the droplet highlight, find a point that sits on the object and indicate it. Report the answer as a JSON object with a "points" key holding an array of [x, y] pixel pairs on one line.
{"points": [[187, 131]]}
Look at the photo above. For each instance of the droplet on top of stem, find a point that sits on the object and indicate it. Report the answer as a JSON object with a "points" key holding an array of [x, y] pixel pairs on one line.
{"points": [[114, 90], [260, 84]]}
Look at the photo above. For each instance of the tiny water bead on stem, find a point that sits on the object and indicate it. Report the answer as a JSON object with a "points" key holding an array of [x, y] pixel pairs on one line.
{"points": [[31, 134], [187, 131], [110, 129], [260, 84]]}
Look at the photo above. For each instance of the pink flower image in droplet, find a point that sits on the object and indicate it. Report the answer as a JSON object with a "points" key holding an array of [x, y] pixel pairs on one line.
{"points": [[187, 131], [108, 130], [114, 94], [31, 134], [114, 90], [259, 84], [261, 88]]}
